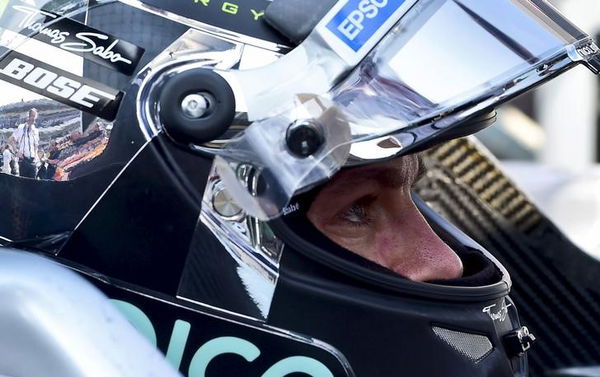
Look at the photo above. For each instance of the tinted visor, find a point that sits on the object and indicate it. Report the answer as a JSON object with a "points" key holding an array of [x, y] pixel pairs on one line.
{"points": [[443, 63]]}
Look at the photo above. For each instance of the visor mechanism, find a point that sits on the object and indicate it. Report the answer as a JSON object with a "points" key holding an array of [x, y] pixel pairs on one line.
{"points": [[304, 138], [196, 106], [354, 102]]}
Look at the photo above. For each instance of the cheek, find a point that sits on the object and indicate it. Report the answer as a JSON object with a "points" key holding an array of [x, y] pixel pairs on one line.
{"points": [[385, 241], [359, 240], [388, 245], [385, 246], [362, 248]]}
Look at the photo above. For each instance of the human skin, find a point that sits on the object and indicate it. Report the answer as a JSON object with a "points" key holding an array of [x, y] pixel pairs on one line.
{"points": [[31, 118], [369, 211]]}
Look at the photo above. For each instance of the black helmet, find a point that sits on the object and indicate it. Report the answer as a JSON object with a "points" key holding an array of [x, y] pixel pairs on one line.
{"points": [[179, 146]]}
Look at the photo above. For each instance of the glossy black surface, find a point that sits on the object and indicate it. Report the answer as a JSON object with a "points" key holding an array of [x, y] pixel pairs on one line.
{"points": [[140, 231], [183, 331]]}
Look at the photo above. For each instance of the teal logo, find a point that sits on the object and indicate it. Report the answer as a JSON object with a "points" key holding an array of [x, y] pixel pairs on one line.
{"points": [[215, 347]]}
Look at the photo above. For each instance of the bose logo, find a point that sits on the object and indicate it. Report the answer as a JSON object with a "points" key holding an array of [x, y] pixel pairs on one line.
{"points": [[61, 86], [352, 25], [66, 87]]}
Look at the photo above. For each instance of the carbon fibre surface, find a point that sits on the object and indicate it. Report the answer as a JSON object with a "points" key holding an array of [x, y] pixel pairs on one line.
{"points": [[555, 284]]}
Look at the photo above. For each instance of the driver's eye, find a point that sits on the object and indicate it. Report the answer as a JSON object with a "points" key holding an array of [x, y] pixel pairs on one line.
{"points": [[357, 214]]}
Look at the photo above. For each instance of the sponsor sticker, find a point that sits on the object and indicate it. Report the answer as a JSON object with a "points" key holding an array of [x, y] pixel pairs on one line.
{"points": [[497, 313], [358, 20], [65, 87], [73, 36], [588, 49], [240, 16]]}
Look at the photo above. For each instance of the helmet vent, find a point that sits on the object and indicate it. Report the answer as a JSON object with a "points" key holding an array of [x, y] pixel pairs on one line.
{"points": [[473, 346]]}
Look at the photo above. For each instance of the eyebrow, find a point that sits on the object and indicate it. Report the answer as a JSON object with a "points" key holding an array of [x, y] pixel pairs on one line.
{"points": [[422, 169], [387, 176]]}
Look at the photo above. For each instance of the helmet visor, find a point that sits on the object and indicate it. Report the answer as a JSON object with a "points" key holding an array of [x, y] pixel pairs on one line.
{"points": [[444, 62]]}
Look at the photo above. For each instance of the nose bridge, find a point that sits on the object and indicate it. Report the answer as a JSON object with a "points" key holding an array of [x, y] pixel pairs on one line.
{"points": [[426, 256]]}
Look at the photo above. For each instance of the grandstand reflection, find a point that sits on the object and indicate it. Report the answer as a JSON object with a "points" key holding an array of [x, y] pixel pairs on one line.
{"points": [[65, 145]]}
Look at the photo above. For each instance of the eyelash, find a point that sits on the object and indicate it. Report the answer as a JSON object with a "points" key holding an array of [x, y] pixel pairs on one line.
{"points": [[422, 169], [357, 214]]}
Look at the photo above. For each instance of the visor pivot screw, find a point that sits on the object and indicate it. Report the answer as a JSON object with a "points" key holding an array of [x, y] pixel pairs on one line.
{"points": [[224, 204], [304, 138], [196, 105]]}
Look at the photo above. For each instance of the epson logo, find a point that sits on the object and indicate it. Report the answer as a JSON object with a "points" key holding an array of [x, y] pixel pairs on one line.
{"points": [[352, 25], [358, 21], [53, 83]]}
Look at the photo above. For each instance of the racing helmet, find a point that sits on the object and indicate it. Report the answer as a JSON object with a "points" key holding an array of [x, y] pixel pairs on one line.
{"points": [[183, 144]]}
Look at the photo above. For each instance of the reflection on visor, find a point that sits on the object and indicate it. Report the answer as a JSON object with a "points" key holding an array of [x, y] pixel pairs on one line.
{"points": [[443, 63]]}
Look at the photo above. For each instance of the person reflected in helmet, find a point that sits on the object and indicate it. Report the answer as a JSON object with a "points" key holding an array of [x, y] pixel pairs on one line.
{"points": [[369, 211]]}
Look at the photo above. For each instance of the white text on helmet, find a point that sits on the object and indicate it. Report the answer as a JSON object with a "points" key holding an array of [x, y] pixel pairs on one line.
{"points": [[53, 83], [353, 24]]}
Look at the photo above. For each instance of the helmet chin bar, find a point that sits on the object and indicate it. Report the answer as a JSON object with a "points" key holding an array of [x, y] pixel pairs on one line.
{"points": [[481, 316], [258, 246]]}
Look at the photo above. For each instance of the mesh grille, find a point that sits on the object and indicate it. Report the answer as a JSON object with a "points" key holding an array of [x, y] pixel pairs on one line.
{"points": [[473, 346]]}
